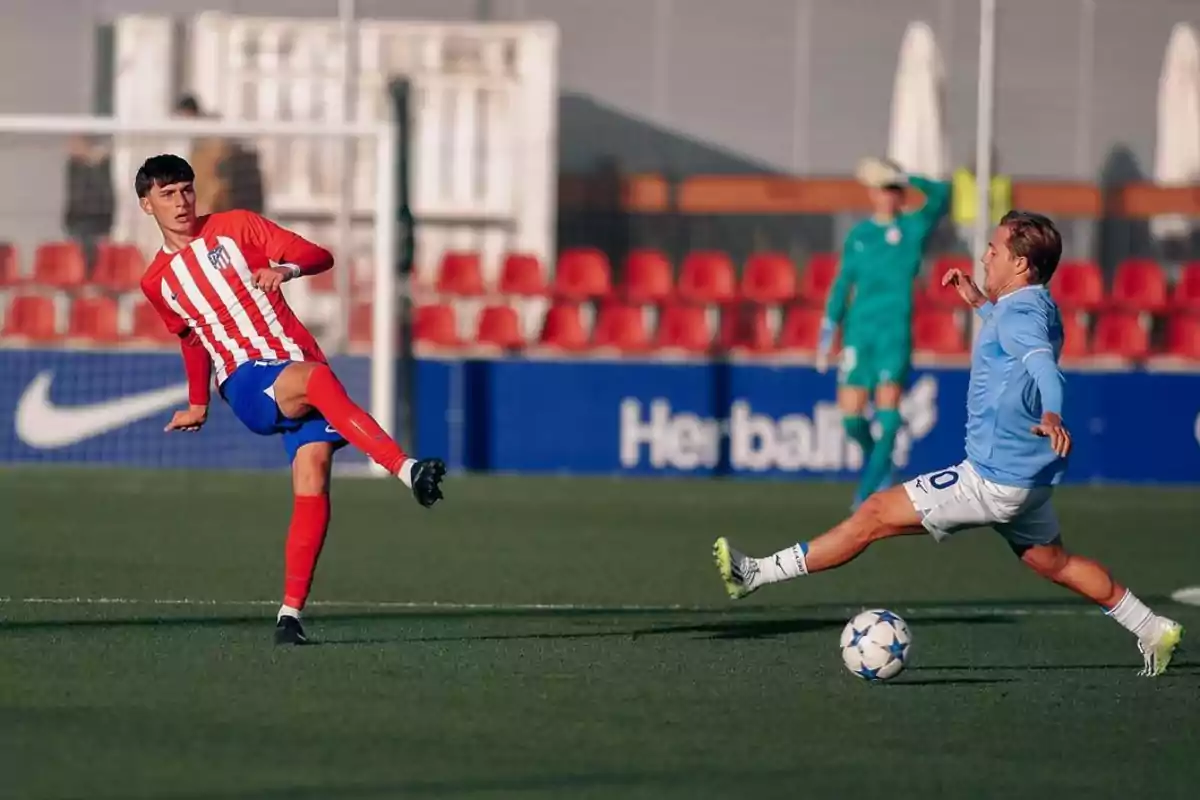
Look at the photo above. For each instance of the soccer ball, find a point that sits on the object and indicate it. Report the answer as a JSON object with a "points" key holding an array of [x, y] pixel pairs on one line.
{"points": [[875, 645]]}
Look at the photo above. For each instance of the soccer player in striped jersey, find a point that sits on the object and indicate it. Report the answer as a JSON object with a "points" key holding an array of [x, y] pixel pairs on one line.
{"points": [[1017, 448], [216, 283]]}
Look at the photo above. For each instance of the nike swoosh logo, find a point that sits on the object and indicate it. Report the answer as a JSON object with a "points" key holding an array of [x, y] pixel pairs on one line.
{"points": [[42, 424]]}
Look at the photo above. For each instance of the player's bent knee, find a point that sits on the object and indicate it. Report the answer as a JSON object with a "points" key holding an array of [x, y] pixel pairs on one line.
{"points": [[1045, 559], [311, 468], [887, 396], [887, 513], [291, 388]]}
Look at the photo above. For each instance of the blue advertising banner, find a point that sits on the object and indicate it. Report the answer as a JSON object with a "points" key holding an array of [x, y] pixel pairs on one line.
{"points": [[589, 417], [751, 420], [110, 407]]}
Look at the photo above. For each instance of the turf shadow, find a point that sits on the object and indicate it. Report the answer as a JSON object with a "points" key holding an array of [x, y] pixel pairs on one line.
{"points": [[949, 681], [771, 628], [726, 629]]}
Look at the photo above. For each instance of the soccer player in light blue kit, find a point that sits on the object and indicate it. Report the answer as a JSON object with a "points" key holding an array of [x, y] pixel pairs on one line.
{"points": [[1017, 450]]}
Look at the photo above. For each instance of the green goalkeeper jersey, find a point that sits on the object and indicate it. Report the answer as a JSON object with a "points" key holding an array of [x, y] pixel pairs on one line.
{"points": [[879, 263]]}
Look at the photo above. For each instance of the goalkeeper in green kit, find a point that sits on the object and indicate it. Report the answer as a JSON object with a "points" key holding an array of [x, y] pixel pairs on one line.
{"points": [[872, 301]]}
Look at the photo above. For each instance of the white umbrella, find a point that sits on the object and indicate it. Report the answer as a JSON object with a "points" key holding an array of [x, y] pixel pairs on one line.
{"points": [[1177, 149], [917, 140]]}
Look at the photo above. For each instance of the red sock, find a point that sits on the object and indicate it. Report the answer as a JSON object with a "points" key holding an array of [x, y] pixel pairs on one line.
{"points": [[327, 395], [306, 535]]}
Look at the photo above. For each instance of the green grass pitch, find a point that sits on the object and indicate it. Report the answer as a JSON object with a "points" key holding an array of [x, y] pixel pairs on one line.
{"points": [[582, 648]]}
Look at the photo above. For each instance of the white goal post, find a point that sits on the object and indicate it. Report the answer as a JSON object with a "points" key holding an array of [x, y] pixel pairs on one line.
{"points": [[134, 140]]}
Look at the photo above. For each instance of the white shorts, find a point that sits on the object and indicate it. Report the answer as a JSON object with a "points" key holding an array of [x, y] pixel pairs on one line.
{"points": [[958, 498]]}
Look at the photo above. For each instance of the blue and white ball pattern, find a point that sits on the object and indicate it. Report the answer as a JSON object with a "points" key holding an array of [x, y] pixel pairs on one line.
{"points": [[876, 645]]}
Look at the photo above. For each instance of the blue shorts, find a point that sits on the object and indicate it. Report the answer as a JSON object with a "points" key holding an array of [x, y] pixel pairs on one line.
{"points": [[249, 391]]}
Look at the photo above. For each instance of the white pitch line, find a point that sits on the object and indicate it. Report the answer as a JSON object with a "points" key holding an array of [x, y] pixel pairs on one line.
{"points": [[367, 604], [916, 612], [1189, 596]]}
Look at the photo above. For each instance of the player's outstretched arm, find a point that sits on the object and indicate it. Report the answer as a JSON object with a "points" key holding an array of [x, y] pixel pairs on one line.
{"points": [[937, 202], [294, 255], [835, 306], [198, 367], [968, 290], [1025, 335]]}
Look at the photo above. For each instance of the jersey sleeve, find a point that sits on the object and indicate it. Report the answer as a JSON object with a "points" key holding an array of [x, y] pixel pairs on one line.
{"points": [[839, 293], [937, 201], [197, 364], [1025, 335], [282, 246]]}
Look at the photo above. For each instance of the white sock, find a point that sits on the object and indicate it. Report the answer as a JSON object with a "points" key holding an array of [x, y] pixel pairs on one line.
{"points": [[1133, 615], [784, 565], [405, 473], [288, 611]]}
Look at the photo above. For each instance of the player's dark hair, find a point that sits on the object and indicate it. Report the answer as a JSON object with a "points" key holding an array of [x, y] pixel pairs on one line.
{"points": [[162, 171], [1034, 238]]}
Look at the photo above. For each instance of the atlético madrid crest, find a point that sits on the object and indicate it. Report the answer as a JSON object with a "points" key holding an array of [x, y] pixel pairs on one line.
{"points": [[219, 258]]}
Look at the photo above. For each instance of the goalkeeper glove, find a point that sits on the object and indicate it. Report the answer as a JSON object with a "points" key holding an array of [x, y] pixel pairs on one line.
{"points": [[825, 345], [427, 477]]}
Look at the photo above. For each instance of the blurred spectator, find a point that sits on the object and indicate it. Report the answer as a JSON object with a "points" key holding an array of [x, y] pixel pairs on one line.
{"points": [[227, 171], [88, 216]]}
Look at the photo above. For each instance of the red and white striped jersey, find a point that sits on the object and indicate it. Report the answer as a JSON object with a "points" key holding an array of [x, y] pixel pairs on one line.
{"points": [[206, 287]]}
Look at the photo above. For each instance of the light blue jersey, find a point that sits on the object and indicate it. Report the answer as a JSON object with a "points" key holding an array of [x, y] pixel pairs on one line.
{"points": [[1014, 379]]}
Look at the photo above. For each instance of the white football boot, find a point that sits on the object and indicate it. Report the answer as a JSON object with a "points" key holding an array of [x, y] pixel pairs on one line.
{"points": [[738, 571], [1159, 647]]}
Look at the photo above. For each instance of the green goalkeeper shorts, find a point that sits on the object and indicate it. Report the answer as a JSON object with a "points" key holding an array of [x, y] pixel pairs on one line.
{"points": [[868, 363]]}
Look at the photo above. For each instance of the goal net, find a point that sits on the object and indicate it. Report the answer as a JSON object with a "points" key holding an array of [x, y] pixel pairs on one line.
{"points": [[393, 143], [90, 373]]}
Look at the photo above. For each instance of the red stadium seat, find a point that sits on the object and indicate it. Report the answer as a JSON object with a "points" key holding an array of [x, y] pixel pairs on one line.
{"points": [[59, 265], [563, 329], [521, 275], [769, 278], [707, 276], [684, 328], [500, 326], [95, 319], [1139, 285], [148, 325], [10, 266], [801, 329], [362, 330], [1120, 334], [1078, 286], [745, 328], [1076, 344], [583, 273], [818, 277], [119, 267], [938, 333], [1183, 337], [621, 327], [460, 275], [325, 282], [32, 317], [436, 325], [1187, 290], [647, 277], [933, 294]]}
